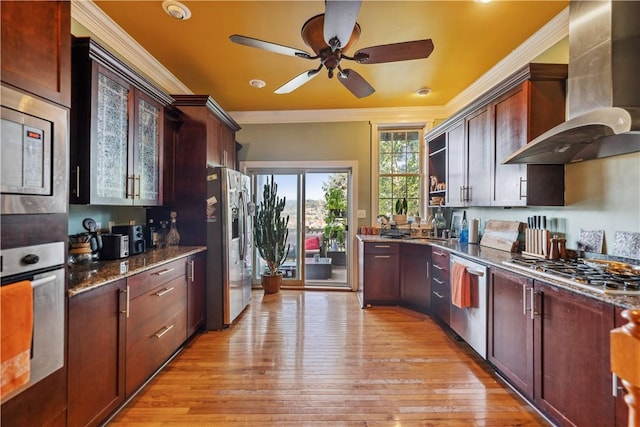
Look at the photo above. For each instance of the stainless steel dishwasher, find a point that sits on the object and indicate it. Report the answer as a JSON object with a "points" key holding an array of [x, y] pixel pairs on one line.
{"points": [[470, 323]]}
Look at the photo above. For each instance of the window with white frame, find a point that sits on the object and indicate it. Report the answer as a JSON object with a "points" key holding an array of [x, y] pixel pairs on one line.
{"points": [[399, 169]]}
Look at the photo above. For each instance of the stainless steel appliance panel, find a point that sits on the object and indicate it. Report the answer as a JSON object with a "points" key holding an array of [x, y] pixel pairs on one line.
{"points": [[43, 265], [228, 236], [471, 323], [34, 176]]}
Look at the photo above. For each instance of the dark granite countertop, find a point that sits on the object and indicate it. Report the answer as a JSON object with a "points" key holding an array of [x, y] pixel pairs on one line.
{"points": [[84, 277], [495, 257]]}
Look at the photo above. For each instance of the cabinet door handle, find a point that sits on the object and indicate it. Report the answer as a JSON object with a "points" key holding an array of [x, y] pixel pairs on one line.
{"points": [[520, 194], [533, 304], [163, 331], [191, 274], [163, 272], [437, 294], [428, 270], [524, 300], [381, 246], [132, 193], [382, 256], [461, 195], [139, 180], [126, 306], [440, 282], [164, 291], [77, 192]]}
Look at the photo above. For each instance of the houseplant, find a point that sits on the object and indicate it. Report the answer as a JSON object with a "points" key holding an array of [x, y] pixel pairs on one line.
{"points": [[270, 235], [401, 211]]}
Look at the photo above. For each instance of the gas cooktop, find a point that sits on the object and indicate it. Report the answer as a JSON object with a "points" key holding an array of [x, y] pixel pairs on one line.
{"points": [[584, 274]]}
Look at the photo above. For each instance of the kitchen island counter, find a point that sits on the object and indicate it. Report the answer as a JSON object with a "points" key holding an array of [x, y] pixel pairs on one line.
{"points": [[84, 277], [496, 258]]}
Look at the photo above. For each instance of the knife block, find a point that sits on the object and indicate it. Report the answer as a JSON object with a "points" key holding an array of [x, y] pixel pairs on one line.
{"points": [[537, 243]]}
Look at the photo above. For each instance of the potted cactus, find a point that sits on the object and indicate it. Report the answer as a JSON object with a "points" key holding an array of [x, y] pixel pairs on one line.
{"points": [[270, 235]]}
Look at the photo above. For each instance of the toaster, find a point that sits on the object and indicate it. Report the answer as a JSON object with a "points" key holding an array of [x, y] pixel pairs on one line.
{"points": [[136, 237], [114, 246]]}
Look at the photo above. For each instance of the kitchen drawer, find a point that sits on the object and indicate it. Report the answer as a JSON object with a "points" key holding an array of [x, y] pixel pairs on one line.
{"points": [[147, 355], [148, 312], [142, 283], [381, 248], [440, 260]]}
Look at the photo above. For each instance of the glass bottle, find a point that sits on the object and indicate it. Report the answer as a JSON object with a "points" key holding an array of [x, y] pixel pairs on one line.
{"points": [[162, 234], [441, 222], [173, 237], [464, 229]]}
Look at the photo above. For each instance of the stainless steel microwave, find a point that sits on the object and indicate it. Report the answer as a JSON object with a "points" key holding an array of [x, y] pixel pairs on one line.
{"points": [[34, 150]]}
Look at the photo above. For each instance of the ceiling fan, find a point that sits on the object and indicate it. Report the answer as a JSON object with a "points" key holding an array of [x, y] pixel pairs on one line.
{"points": [[329, 35]]}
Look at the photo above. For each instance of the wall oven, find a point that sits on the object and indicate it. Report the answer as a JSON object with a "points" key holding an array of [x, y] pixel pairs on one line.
{"points": [[44, 266], [34, 137]]}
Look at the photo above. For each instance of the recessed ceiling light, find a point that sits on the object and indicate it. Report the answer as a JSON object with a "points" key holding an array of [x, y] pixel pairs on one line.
{"points": [[423, 91], [259, 84], [176, 10]]}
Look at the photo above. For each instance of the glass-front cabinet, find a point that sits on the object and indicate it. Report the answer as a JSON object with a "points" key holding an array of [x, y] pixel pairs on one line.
{"points": [[117, 127]]}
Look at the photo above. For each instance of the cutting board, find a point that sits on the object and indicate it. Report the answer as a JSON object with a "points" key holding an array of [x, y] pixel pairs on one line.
{"points": [[503, 235]]}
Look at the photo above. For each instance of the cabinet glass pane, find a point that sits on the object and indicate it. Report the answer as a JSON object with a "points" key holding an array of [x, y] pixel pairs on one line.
{"points": [[147, 150], [111, 138]]}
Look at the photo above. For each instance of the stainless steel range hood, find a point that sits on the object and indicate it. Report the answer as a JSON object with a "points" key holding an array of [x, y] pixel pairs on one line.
{"points": [[603, 87]]}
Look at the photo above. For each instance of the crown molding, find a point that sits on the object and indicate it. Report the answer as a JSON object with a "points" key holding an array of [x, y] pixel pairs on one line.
{"points": [[380, 115], [90, 16], [86, 13]]}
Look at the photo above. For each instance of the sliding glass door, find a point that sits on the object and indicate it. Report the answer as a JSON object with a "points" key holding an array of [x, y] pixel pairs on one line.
{"points": [[318, 206]]}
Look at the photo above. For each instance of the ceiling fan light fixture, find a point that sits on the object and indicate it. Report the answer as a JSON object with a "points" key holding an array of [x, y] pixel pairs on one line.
{"points": [[258, 84], [423, 91], [176, 10]]}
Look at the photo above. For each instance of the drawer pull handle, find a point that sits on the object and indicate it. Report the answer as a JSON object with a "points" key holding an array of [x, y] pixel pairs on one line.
{"points": [[438, 267], [382, 256], [163, 331], [440, 282], [381, 246], [439, 253], [437, 294], [164, 291], [163, 272]]}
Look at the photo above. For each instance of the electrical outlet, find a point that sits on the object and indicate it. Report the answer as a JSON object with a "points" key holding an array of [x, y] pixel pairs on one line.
{"points": [[132, 222], [362, 213]]}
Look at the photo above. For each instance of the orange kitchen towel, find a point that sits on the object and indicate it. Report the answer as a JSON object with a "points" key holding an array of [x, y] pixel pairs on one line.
{"points": [[460, 286], [16, 313]]}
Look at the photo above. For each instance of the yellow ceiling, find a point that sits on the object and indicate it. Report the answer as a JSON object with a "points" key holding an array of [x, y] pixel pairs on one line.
{"points": [[469, 38]]}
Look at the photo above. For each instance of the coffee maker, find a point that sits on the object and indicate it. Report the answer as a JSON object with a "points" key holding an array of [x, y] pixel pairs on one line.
{"points": [[136, 237]]}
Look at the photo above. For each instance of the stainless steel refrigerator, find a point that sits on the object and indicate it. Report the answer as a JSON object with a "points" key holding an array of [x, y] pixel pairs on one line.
{"points": [[229, 242]]}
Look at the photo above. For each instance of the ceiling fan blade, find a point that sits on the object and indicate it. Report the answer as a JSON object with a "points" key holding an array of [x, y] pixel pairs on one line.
{"points": [[271, 47], [339, 20], [418, 49], [296, 82], [355, 83]]}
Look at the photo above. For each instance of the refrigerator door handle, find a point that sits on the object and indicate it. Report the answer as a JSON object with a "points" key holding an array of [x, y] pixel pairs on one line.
{"points": [[243, 224]]}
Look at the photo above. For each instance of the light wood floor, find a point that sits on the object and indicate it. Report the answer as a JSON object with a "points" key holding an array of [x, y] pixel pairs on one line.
{"points": [[311, 358]]}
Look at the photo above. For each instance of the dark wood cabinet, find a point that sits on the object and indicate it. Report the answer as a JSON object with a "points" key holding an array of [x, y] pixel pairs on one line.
{"points": [[482, 135], [117, 131], [510, 337], [196, 281], [415, 280], [572, 369], [97, 320], [36, 48], [378, 273], [157, 320], [622, 409], [440, 285], [553, 346], [520, 115]]}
